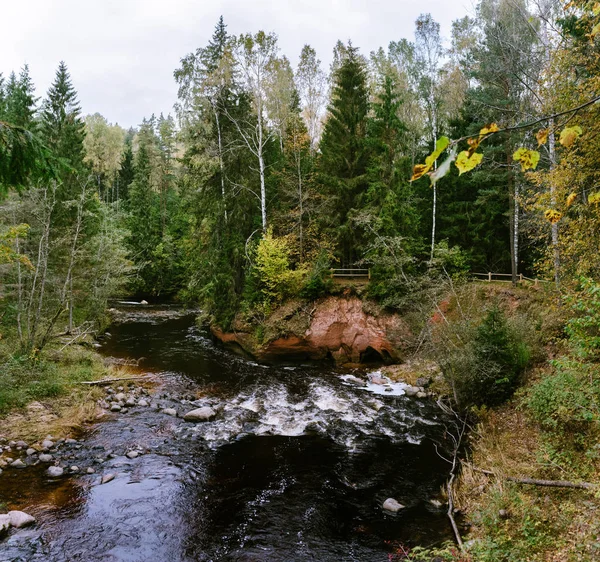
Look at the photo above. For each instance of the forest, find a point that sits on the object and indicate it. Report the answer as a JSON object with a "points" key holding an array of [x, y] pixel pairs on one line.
{"points": [[425, 162]]}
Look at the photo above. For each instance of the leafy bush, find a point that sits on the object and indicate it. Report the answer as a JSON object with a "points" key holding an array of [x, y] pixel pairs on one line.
{"points": [[317, 284], [277, 279]]}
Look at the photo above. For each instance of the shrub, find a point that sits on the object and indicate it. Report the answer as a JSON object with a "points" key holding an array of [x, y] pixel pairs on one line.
{"points": [[485, 367]]}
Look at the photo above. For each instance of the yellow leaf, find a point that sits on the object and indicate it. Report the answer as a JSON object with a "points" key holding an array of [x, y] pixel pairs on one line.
{"points": [[571, 198], [492, 128], [595, 30], [552, 216], [421, 169], [594, 198], [569, 135], [596, 9], [528, 158], [542, 136], [466, 162]]}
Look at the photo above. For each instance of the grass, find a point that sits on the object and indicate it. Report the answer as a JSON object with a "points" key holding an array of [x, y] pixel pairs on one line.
{"points": [[44, 396]]}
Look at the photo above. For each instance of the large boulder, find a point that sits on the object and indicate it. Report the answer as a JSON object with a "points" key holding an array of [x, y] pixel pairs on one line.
{"points": [[20, 519], [200, 414]]}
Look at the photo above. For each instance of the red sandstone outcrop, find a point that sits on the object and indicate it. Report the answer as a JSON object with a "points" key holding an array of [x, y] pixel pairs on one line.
{"points": [[339, 328]]}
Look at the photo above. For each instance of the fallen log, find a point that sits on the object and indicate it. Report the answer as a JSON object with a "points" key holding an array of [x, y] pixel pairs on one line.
{"points": [[539, 482], [103, 382]]}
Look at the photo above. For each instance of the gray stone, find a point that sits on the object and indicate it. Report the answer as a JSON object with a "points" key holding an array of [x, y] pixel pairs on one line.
{"points": [[200, 414], [115, 408], [47, 444], [132, 454], [423, 381], [142, 403], [20, 519], [120, 397], [74, 468], [44, 457], [90, 470], [392, 505], [421, 394], [22, 444], [18, 464], [170, 411], [4, 524], [354, 380], [54, 471], [411, 390], [130, 401], [71, 441], [31, 451], [107, 478]]}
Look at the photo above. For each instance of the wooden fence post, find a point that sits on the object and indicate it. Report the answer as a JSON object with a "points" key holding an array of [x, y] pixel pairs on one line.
{"points": [[489, 277]]}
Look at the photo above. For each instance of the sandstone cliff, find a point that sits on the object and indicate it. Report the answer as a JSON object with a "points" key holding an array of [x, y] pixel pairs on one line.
{"points": [[337, 328]]}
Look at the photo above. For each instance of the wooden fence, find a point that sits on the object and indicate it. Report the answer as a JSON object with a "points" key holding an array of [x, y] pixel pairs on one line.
{"points": [[489, 277], [350, 273]]}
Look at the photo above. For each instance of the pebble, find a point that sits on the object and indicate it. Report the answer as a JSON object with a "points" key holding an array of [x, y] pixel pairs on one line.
{"points": [[170, 412], [44, 457], [132, 455], [115, 408], [74, 468], [18, 464], [54, 471], [31, 451], [71, 441], [47, 444], [120, 397], [107, 478], [130, 401], [90, 470], [22, 444], [200, 414], [421, 395], [392, 505], [4, 524], [142, 403]]}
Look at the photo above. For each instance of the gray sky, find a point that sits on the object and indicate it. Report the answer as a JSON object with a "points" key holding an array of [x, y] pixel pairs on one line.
{"points": [[121, 53]]}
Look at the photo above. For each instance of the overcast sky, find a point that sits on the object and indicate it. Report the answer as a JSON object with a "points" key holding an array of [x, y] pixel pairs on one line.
{"points": [[121, 53]]}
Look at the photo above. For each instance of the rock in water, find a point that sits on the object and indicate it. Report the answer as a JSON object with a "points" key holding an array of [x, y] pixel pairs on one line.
{"points": [[170, 412], [4, 524], [132, 455], [20, 519], [411, 390], [107, 478], [47, 444], [18, 464], [392, 505], [54, 471], [200, 414], [45, 458]]}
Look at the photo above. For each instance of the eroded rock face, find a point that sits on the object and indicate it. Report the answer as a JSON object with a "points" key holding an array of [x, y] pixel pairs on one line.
{"points": [[339, 329]]}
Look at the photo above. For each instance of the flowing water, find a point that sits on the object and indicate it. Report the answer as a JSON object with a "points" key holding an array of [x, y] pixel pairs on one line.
{"points": [[295, 465]]}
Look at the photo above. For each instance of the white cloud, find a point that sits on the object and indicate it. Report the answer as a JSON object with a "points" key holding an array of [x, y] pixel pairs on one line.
{"points": [[122, 53]]}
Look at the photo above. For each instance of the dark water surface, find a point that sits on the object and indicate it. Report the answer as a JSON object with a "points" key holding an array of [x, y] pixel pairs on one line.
{"points": [[294, 467]]}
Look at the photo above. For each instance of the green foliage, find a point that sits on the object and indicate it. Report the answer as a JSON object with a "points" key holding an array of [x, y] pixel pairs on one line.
{"points": [[484, 363], [272, 263], [584, 329]]}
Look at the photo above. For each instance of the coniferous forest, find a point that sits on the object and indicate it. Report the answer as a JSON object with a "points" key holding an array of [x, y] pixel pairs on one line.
{"points": [[432, 164]]}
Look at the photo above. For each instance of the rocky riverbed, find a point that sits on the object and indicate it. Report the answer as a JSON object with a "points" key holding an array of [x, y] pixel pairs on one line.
{"points": [[224, 459]]}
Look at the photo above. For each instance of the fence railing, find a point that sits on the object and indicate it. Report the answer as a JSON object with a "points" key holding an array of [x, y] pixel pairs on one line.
{"points": [[489, 277], [353, 273]]}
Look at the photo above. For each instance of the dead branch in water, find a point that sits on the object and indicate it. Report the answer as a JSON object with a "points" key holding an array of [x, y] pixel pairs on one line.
{"points": [[103, 382]]}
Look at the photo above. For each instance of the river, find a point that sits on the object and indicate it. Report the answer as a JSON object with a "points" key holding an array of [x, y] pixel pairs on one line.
{"points": [[294, 467]]}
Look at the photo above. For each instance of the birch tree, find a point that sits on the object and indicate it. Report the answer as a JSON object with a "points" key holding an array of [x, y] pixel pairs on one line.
{"points": [[254, 56], [311, 84]]}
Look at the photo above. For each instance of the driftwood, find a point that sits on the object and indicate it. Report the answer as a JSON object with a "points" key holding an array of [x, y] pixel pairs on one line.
{"points": [[103, 382], [537, 482]]}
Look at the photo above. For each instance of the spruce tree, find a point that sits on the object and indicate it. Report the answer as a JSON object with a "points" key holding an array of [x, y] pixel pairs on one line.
{"points": [[62, 127], [344, 148], [20, 100]]}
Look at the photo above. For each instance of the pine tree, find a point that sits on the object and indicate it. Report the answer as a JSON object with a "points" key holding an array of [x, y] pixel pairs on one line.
{"points": [[344, 148], [20, 101], [62, 127]]}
